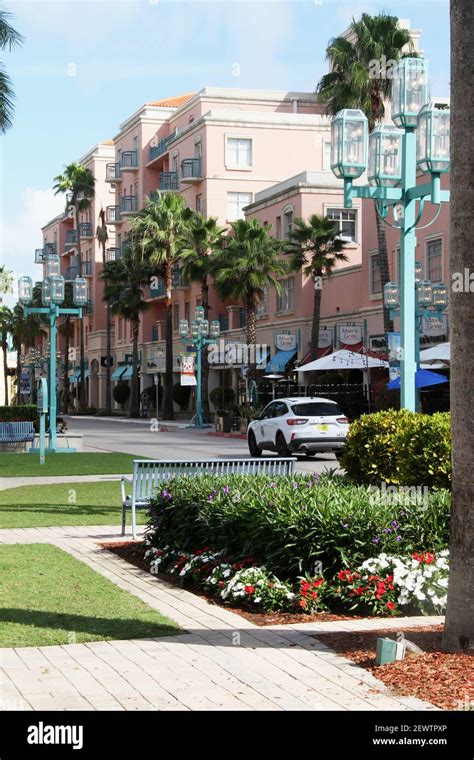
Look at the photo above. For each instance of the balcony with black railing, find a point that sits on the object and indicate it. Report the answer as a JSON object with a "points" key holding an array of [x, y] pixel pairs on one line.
{"points": [[113, 173], [70, 240], [72, 273], [191, 170], [39, 255], [169, 181], [112, 215], [160, 290], [112, 254], [129, 160], [128, 204], [86, 268], [161, 148], [85, 229], [49, 249]]}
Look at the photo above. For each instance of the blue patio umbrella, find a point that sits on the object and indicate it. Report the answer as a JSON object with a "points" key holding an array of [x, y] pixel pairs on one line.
{"points": [[423, 379]]}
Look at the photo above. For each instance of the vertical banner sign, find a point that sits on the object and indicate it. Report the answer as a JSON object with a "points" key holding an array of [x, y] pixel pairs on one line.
{"points": [[394, 355], [187, 370]]}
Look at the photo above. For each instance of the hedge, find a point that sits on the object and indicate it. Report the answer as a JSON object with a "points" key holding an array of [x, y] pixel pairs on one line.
{"points": [[25, 412], [292, 522], [400, 447]]}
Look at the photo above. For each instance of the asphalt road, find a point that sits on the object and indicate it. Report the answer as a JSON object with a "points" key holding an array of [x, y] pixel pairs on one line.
{"points": [[138, 438]]}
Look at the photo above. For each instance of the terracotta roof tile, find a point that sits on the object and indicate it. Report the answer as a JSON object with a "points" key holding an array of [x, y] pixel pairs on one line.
{"points": [[175, 102]]}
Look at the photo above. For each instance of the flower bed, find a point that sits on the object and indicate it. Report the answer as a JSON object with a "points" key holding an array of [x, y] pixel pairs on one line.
{"points": [[302, 543]]}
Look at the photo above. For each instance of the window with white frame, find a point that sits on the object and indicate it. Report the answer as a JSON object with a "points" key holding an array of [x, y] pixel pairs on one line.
{"points": [[175, 162], [278, 227], [346, 220], [199, 203], [238, 153], [262, 308], [375, 279], [286, 296], [198, 149], [434, 260], [327, 156], [287, 223], [236, 202]]}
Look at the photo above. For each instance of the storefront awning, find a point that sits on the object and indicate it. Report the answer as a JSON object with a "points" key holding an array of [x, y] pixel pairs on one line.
{"points": [[118, 372], [127, 375], [278, 362], [77, 374]]}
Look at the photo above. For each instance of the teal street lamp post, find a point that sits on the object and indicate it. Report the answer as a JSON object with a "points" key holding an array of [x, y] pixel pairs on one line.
{"points": [[52, 295], [431, 300], [419, 140], [198, 336]]}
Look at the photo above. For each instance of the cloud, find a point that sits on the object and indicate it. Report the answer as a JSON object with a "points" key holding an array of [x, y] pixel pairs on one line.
{"points": [[21, 232]]}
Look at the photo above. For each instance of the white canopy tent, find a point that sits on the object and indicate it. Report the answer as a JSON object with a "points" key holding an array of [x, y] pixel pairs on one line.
{"points": [[436, 357], [343, 359]]}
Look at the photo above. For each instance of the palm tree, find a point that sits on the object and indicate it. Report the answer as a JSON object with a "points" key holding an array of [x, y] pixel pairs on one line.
{"points": [[124, 283], [200, 240], [9, 38], [358, 79], [77, 183], [248, 263], [102, 236], [459, 626], [159, 228], [5, 321], [315, 247]]}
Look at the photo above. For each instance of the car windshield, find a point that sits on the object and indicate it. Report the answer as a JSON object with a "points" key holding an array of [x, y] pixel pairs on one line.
{"points": [[316, 409]]}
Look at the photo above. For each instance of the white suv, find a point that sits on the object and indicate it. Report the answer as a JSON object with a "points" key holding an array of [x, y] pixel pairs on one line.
{"points": [[298, 425]]}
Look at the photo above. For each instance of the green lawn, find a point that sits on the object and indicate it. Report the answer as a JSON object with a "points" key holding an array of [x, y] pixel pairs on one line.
{"points": [[27, 465], [48, 597], [64, 504]]}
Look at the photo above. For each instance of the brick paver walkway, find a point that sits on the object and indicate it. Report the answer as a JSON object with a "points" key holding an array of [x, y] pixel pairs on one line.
{"points": [[222, 661]]}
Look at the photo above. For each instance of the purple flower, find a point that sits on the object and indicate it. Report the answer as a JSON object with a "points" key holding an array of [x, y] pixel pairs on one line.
{"points": [[376, 540], [394, 524], [212, 495], [166, 495], [226, 489], [387, 530], [316, 476], [272, 485], [294, 484], [345, 525], [398, 538]]}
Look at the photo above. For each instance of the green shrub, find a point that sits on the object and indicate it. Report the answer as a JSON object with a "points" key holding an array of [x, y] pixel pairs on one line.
{"points": [[25, 412], [401, 447], [181, 395], [291, 523], [221, 397], [121, 393]]}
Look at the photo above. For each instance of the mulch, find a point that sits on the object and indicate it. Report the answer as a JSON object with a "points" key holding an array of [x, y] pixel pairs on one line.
{"points": [[444, 679], [132, 551]]}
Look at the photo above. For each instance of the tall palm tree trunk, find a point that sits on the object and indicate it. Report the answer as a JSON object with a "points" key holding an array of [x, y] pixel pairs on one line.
{"points": [[82, 377], [5, 364], [108, 345], [316, 319], [206, 411], [168, 410], [384, 269], [251, 314], [18, 376], [459, 627], [133, 407]]}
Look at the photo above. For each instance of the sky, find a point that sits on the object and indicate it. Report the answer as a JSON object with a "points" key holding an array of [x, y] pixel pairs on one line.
{"points": [[87, 65]]}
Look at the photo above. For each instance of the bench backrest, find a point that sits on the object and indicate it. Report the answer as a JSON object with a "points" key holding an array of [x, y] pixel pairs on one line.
{"points": [[16, 431], [149, 475]]}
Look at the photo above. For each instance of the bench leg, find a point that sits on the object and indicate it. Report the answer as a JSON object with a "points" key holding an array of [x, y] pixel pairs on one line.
{"points": [[134, 522], [124, 518]]}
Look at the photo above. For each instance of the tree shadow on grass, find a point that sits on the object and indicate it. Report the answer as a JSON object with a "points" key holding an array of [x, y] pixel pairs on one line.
{"points": [[82, 509], [93, 626]]}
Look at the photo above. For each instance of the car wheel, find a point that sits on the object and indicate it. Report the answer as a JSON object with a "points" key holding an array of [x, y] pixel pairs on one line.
{"points": [[254, 450], [282, 448], [339, 454], [310, 454]]}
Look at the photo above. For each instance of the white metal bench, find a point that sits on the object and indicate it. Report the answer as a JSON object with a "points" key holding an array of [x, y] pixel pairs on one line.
{"points": [[16, 432], [149, 475]]}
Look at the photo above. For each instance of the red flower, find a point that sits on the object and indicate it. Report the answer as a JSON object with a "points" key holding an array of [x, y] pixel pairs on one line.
{"points": [[313, 595], [305, 586], [319, 582], [359, 590], [302, 603], [390, 605], [220, 584], [249, 589], [429, 558]]}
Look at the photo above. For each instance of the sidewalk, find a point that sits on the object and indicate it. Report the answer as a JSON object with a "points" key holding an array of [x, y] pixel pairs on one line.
{"points": [[222, 661], [172, 424]]}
